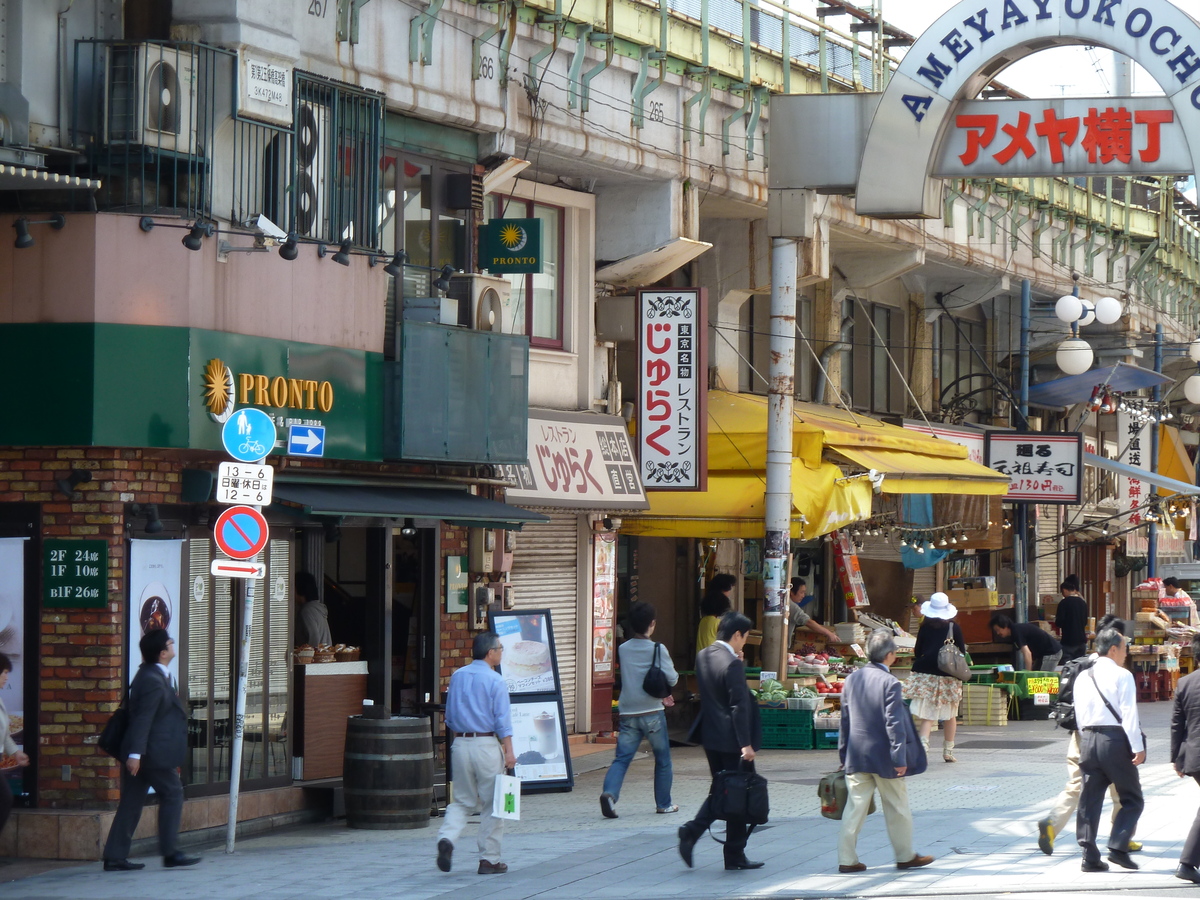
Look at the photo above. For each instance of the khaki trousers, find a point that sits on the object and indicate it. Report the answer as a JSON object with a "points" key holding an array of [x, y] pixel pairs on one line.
{"points": [[1066, 802], [893, 794], [475, 763]]}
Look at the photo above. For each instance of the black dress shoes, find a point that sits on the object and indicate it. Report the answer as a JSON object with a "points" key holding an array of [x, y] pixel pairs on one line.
{"points": [[124, 865], [687, 841], [177, 859], [743, 863], [1187, 873], [1122, 859], [1094, 865]]}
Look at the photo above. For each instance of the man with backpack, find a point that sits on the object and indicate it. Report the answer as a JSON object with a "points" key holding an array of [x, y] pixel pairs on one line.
{"points": [[1067, 802]]}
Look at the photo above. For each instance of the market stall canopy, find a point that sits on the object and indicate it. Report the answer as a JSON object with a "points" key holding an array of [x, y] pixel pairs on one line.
{"points": [[1173, 459], [737, 434], [448, 504], [1072, 389], [734, 506], [916, 473], [1171, 485]]}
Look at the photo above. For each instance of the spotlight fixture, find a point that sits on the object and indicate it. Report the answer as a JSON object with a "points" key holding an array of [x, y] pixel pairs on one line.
{"points": [[154, 524], [903, 542], [396, 267], [1104, 530], [77, 477], [193, 240], [920, 548], [963, 536], [342, 257], [289, 249], [443, 282], [942, 542], [409, 529], [24, 239]]}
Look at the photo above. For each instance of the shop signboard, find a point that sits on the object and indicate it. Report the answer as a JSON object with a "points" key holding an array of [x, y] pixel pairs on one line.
{"points": [[511, 245], [1133, 449], [155, 589], [604, 601], [673, 389], [540, 744], [1042, 467], [12, 645], [579, 460], [530, 664], [457, 581], [75, 573]]}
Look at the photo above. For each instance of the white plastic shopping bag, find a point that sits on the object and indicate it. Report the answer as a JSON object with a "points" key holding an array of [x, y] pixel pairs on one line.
{"points": [[506, 802]]}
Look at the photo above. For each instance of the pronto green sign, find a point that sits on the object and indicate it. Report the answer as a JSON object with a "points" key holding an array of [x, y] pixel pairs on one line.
{"points": [[511, 245], [75, 573]]}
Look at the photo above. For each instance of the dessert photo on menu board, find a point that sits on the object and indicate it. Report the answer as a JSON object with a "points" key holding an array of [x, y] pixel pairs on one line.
{"points": [[539, 741], [528, 663]]}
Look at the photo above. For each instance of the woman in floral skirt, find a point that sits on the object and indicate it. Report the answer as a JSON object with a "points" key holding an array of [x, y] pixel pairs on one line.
{"points": [[934, 695]]}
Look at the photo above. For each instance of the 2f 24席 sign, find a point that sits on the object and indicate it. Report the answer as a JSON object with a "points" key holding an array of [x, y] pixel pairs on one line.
{"points": [[672, 389]]}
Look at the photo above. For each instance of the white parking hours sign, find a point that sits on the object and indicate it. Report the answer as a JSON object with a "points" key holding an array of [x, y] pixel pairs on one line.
{"points": [[242, 483]]}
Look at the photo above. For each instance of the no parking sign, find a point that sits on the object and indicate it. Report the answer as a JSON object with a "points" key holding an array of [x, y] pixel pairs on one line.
{"points": [[241, 532]]}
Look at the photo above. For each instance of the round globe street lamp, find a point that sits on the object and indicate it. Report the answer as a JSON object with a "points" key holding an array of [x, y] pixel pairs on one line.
{"points": [[1191, 388], [1074, 356], [1108, 310], [1069, 309]]}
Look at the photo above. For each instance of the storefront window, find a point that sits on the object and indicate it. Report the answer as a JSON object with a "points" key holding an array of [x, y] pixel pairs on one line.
{"points": [[962, 372], [537, 299], [209, 662]]}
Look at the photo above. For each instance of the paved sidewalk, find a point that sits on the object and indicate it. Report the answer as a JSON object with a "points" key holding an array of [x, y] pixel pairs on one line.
{"points": [[978, 817]]}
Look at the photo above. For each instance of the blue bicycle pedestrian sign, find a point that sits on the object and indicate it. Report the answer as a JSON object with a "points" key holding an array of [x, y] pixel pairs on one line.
{"points": [[248, 435]]}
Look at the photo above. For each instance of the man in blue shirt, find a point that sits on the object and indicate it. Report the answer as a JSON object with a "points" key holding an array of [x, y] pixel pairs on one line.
{"points": [[477, 711]]}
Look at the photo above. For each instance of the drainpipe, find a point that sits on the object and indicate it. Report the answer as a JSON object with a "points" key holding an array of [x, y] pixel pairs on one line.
{"points": [[781, 392], [1152, 553], [818, 393], [1021, 513]]}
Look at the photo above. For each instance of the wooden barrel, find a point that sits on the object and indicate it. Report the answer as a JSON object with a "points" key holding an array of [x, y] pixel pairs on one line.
{"points": [[387, 773]]}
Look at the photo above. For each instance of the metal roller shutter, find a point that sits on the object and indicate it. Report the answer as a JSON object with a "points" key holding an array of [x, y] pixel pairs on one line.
{"points": [[1045, 557], [545, 576]]}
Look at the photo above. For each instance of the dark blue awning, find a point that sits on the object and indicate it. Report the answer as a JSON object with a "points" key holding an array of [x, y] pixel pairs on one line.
{"points": [[1072, 389]]}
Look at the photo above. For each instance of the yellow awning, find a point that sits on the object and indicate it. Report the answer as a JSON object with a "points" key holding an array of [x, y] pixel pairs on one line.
{"points": [[916, 473], [737, 434], [734, 506], [843, 429], [1173, 460]]}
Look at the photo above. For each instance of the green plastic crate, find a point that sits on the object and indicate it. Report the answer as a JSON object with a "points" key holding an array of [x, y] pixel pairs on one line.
{"points": [[786, 729], [825, 740], [983, 674]]}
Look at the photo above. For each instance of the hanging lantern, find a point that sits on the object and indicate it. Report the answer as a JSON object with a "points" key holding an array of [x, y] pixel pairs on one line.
{"points": [[1074, 356]]}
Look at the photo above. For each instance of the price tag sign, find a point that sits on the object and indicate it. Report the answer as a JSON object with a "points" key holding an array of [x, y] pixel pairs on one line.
{"points": [[1047, 685], [857, 651], [767, 676], [75, 573], [243, 483], [1041, 699]]}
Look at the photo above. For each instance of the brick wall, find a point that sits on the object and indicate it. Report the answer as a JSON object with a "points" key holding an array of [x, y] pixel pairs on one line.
{"points": [[456, 635]]}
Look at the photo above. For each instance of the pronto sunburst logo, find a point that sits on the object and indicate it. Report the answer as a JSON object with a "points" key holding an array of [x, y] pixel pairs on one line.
{"points": [[219, 395], [513, 237]]}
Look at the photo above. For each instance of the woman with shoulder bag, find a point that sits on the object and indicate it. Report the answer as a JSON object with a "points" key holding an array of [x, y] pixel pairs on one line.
{"points": [[641, 714], [8, 747], [935, 695]]}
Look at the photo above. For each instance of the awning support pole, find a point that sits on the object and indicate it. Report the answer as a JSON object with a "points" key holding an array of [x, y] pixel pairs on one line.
{"points": [[1021, 513], [1152, 535], [785, 253]]}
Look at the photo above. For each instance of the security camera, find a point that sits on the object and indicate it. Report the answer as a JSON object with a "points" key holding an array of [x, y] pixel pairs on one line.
{"points": [[269, 228]]}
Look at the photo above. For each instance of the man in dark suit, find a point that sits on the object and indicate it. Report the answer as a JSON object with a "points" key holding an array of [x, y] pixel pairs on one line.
{"points": [[879, 748], [1185, 757], [729, 730], [154, 748]]}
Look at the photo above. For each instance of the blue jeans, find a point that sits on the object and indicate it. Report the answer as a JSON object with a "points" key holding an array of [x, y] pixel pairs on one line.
{"points": [[652, 727]]}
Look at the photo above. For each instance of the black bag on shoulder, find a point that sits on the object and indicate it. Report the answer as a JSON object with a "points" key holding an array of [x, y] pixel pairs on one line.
{"points": [[1064, 709], [739, 794], [655, 683], [113, 735]]}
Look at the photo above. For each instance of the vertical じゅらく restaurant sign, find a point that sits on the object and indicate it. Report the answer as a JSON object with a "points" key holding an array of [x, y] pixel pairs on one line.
{"points": [[672, 389]]}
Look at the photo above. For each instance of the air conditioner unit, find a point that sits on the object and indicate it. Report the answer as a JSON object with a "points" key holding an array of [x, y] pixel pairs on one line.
{"points": [[150, 97], [486, 298], [314, 165]]}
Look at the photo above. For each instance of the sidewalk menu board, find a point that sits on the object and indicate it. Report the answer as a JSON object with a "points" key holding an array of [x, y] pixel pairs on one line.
{"points": [[530, 669]]}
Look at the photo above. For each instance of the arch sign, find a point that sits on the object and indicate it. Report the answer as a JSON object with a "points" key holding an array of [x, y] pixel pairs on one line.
{"points": [[926, 123]]}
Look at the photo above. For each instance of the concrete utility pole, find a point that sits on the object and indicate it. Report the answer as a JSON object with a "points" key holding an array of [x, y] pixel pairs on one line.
{"points": [[1021, 511], [781, 391]]}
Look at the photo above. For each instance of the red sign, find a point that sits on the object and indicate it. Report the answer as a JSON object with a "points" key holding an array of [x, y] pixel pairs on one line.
{"points": [[241, 532], [849, 572]]}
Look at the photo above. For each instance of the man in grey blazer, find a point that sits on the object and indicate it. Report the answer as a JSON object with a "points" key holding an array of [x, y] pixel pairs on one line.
{"points": [[154, 748], [1185, 757], [878, 747]]}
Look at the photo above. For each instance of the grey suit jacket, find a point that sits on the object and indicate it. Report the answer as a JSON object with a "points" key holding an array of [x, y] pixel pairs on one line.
{"points": [[877, 735], [157, 721], [1185, 726]]}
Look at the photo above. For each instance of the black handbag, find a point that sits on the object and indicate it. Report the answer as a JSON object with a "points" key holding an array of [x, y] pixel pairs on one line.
{"points": [[655, 683], [739, 794], [113, 735]]}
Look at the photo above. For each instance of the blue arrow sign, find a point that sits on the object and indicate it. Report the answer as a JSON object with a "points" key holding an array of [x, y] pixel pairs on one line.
{"points": [[248, 435], [306, 440]]}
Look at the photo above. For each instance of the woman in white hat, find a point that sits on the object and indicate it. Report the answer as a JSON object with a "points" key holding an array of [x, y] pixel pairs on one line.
{"points": [[935, 695]]}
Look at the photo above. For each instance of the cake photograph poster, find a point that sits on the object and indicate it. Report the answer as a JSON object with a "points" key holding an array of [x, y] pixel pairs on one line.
{"points": [[528, 661]]}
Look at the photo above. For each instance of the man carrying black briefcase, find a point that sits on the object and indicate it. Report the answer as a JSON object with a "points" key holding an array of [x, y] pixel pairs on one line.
{"points": [[728, 727]]}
